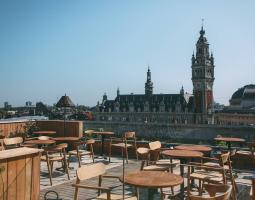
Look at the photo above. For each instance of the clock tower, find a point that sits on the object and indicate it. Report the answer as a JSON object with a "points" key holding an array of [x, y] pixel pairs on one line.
{"points": [[203, 78]]}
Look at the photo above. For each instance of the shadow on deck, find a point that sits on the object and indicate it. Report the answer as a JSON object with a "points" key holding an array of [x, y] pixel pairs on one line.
{"points": [[64, 188]]}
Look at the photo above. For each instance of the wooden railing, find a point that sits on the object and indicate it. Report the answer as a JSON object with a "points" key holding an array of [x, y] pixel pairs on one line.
{"points": [[72, 128], [9, 129], [17, 128]]}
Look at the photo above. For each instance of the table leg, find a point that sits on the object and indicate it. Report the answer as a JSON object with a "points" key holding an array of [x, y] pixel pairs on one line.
{"points": [[151, 193], [182, 161], [229, 146], [102, 145]]}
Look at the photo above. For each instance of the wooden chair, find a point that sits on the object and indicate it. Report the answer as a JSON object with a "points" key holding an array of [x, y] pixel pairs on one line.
{"points": [[146, 165], [250, 153], [205, 174], [81, 152], [129, 137], [96, 170], [10, 143], [156, 157], [214, 192], [225, 162], [53, 154], [157, 163]]}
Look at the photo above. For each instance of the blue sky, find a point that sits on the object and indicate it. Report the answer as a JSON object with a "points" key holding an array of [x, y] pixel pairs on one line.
{"points": [[85, 48]]}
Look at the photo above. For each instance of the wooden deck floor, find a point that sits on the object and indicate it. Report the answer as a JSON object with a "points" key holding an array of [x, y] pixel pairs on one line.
{"points": [[66, 191]]}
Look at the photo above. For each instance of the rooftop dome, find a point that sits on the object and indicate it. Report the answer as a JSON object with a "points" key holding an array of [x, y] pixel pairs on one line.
{"points": [[241, 92]]}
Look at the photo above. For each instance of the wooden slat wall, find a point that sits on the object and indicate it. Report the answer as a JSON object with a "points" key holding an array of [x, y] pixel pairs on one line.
{"points": [[21, 178], [73, 128], [11, 128]]}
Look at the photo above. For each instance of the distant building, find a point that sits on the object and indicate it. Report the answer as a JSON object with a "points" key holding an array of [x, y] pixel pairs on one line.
{"points": [[28, 104], [243, 99], [7, 105], [168, 108], [218, 107], [241, 109]]}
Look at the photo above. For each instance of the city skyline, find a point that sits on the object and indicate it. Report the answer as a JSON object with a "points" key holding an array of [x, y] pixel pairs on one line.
{"points": [[86, 48]]}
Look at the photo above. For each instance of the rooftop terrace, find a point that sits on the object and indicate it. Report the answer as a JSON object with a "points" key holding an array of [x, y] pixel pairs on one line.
{"points": [[65, 190]]}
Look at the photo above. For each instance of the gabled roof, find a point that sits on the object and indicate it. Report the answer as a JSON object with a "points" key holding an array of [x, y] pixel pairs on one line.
{"points": [[65, 101]]}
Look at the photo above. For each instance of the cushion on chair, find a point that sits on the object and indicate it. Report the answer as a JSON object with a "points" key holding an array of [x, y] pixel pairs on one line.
{"points": [[166, 162], [156, 168], [81, 152], [209, 176], [122, 145], [103, 196], [212, 164], [52, 158], [248, 153]]}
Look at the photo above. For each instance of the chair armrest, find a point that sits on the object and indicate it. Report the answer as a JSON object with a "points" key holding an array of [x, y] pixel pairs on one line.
{"points": [[209, 158], [205, 167], [110, 176], [91, 187], [116, 139]]}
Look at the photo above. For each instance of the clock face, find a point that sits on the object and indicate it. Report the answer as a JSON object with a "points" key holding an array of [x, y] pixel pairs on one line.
{"points": [[208, 86]]}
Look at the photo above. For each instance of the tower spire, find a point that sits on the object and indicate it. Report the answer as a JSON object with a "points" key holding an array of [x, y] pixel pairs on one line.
{"points": [[202, 32], [148, 84]]}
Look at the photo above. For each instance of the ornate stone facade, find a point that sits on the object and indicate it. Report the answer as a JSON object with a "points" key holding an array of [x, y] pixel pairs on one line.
{"points": [[203, 78], [179, 108]]}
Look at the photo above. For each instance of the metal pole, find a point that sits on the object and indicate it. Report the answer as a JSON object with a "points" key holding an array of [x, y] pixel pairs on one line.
{"points": [[123, 175], [64, 121]]}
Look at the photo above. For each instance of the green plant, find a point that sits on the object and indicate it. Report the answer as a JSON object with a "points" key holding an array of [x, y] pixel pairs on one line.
{"points": [[222, 144], [30, 127]]}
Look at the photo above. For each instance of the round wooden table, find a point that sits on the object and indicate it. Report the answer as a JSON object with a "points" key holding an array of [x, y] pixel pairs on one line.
{"points": [[229, 140], [40, 142], [44, 132], [200, 148], [103, 135], [183, 156], [66, 139], [152, 179]]}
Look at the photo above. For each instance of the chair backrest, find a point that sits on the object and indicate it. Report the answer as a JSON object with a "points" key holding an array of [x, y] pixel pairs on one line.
{"points": [[61, 146], [90, 141], [43, 138], [89, 171], [155, 149], [129, 135], [215, 191], [16, 141], [143, 153], [155, 145], [89, 132], [225, 159]]}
